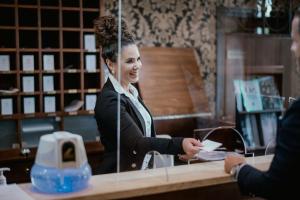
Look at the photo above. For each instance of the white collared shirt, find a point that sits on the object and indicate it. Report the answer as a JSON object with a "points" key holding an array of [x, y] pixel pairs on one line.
{"points": [[133, 96]]}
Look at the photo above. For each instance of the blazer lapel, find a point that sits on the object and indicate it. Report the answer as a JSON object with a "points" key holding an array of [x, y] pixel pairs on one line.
{"points": [[153, 134], [137, 113]]}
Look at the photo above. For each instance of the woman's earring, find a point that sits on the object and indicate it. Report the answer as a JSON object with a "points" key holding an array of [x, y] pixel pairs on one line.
{"points": [[113, 72]]}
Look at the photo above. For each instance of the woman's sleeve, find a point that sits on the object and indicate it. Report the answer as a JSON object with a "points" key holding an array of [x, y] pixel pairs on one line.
{"points": [[132, 139]]}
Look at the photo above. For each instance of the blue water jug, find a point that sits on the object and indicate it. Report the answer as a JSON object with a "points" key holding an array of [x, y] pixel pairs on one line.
{"points": [[61, 164]]}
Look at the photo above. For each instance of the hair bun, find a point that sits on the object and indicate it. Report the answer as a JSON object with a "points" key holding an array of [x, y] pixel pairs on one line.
{"points": [[106, 30]]}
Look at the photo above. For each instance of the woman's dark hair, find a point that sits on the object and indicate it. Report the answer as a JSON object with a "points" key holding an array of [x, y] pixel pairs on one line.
{"points": [[106, 30]]}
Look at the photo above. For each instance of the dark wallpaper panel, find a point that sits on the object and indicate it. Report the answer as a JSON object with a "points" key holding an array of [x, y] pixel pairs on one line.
{"points": [[178, 23]]}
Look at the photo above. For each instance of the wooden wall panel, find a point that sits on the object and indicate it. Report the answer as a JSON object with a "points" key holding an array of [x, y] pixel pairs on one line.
{"points": [[170, 81]]}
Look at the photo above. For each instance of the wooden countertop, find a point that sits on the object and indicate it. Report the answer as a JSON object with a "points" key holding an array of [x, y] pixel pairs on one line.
{"points": [[139, 183]]}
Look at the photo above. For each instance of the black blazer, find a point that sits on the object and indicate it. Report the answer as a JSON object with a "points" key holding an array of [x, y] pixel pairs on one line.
{"points": [[281, 181], [134, 145]]}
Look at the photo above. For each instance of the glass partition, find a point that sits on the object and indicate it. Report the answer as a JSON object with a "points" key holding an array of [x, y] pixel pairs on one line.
{"points": [[203, 71], [159, 85], [148, 77], [256, 69]]}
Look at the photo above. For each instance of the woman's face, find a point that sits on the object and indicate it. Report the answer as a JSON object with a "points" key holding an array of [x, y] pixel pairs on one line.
{"points": [[130, 65]]}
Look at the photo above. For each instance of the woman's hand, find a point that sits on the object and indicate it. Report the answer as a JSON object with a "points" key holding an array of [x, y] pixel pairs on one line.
{"points": [[233, 160], [190, 147]]}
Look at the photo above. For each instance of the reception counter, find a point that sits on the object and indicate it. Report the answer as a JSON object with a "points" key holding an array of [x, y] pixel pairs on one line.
{"points": [[196, 181]]}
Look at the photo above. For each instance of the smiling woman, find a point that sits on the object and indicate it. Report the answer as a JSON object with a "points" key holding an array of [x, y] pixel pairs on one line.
{"points": [[131, 64], [137, 133]]}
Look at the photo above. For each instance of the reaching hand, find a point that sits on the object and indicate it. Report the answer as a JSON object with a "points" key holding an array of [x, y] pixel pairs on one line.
{"points": [[190, 146], [233, 160]]}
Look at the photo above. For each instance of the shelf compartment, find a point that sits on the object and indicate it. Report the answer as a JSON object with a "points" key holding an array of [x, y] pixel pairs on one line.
{"points": [[88, 19], [9, 103], [7, 1], [51, 62], [90, 4], [28, 39], [71, 61], [90, 101], [71, 39], [35, 61], [27, 2], [50, 39], [68, 99], [49, 18], [71, 19], [8, 81], [29, 83], [8, 137], [7, 39], [91, 62], [83, 125], [33, 129], [12, 60], [49, 2], [70, 3], [28, 17], [89, 42], [30, 104], [71, 81], [7, 16], [92, 81], [51, 103], [52, 81]]}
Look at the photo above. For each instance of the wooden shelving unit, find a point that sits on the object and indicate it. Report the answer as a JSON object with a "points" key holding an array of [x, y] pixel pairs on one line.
{"points": [[48, 27], [38, 28]]}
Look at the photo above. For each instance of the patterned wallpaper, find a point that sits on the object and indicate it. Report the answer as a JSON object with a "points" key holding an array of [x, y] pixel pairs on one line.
{"points": [[178, 23]]}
